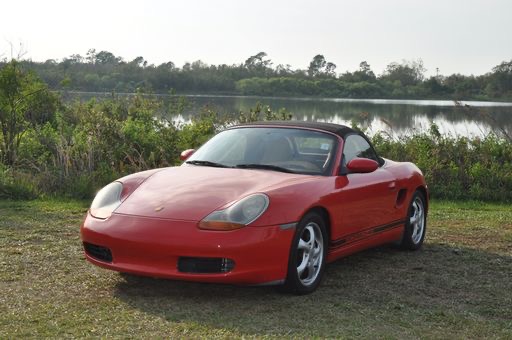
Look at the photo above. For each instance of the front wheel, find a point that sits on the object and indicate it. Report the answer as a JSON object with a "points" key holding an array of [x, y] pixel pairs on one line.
{"points": [[307, 255], [416, 223]]}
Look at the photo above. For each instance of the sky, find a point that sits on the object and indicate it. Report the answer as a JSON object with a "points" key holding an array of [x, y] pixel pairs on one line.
{"points": [[455, 36]]}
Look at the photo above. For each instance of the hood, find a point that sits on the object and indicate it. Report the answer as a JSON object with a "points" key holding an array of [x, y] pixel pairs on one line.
{"points": [[192, 192]]}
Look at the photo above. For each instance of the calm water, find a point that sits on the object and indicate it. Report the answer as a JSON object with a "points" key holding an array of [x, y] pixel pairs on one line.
{"points": [[393, 116]]}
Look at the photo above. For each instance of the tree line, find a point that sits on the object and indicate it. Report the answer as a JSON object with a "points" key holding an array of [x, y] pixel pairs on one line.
{"points": [[105, 72]]}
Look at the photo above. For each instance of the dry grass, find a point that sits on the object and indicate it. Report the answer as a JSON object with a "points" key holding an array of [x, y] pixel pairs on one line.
{"points": [[458, 286]]}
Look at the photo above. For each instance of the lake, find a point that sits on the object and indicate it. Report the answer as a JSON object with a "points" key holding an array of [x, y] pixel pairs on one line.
{"points": [[394, 116], [398, 117]]}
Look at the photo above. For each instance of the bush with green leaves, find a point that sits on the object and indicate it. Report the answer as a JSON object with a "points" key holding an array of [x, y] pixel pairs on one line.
{"points": [[16, 184], [88, 144], [456, 167]]}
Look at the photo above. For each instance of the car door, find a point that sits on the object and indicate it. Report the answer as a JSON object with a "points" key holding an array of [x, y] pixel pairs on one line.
{"points": [[366, 201]]}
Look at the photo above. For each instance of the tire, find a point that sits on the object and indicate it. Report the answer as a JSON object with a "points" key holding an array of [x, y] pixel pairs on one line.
{"points": [[415, 224], [306, 264]]}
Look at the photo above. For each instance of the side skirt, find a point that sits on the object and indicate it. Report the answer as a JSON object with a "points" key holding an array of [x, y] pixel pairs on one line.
{"points": [[367, 238]]}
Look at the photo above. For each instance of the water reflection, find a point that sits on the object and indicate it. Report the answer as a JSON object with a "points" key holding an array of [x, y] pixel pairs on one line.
{"points": [[396, 116]]}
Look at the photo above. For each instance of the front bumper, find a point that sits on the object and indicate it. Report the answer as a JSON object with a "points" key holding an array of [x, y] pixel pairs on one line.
{"points": [[152, 247]]}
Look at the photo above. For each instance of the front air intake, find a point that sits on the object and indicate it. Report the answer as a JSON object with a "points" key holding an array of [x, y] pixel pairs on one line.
{"points": [[205, 265], [98, 252]]}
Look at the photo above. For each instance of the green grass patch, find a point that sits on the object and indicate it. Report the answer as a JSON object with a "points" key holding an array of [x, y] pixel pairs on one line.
{"points": [[458, 286]]}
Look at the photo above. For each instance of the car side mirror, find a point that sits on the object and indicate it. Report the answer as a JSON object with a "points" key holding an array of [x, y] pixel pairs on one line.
{"points": [[362, 165], [186, 154]]}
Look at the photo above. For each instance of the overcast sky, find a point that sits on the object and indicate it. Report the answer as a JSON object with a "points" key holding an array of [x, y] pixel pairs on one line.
{"points": [[456, 36]]}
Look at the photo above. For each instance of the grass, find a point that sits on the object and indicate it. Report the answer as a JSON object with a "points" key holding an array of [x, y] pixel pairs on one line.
{"points": [[458, 286]]}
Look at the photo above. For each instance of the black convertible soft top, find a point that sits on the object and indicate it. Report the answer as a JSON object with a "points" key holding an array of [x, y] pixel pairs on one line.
{"points": [[340, 130]]}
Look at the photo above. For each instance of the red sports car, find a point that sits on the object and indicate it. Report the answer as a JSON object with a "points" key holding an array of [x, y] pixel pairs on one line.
{"points": [[261, 203]]}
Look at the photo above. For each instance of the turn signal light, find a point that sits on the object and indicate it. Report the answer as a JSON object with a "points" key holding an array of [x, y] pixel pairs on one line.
{"points": [[220, 225]]}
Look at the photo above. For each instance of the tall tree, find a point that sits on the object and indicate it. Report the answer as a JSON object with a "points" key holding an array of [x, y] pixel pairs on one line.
{"points": [[91, 56], [407, 72], [258, 64], [106, 57], [139, 61], [319, 66], [500, 82], [364, 73], [366, 70], [330, 69], [316, 65]]}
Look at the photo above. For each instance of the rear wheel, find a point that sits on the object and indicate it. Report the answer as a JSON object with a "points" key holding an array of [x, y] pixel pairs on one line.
{"points": [[416, 223], [307, 255]]}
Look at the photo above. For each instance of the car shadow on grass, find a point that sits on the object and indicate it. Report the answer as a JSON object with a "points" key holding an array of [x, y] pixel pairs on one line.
{"points": [[378, 291]]}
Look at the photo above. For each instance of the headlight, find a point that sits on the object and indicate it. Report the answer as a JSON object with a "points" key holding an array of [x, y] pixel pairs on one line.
{"points": [[240, 214], [107, 200]]}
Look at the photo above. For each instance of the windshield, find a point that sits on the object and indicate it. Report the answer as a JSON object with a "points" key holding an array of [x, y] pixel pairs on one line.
{"points": [[274, 149]]}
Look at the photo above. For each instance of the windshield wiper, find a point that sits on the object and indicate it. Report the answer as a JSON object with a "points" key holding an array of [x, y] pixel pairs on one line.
{"points": [[207, 163], [264, 167]]}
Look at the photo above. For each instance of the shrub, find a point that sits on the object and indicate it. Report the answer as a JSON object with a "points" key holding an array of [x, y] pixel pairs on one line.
{"points": [[456, 168], [16, 184]]}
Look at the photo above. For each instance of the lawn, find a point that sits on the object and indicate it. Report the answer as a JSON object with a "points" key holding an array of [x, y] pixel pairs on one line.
{"points": [[458, 286]]}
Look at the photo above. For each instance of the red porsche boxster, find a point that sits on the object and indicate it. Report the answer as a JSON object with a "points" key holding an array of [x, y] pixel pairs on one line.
{"points": [[261, 203]]}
